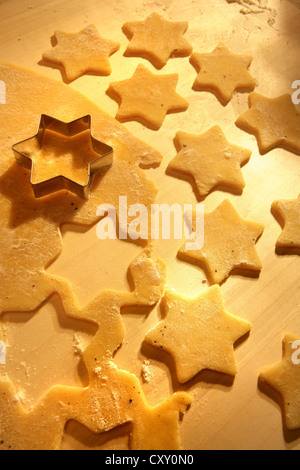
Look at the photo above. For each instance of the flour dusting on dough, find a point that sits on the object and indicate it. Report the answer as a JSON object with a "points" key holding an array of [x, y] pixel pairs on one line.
{"points": [[255, 7], [78, 347]]}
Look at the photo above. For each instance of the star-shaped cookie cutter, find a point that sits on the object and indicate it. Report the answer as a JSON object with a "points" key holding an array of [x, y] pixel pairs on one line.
{"points": [[60, 182]]}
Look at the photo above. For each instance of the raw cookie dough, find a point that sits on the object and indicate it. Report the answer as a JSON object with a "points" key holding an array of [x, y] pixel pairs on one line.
{"points": [[60, 155], [59, 161], [30, 239], [157, 39], [210, 160], [30, 228], [113, 397], [285, 378], [81, 53], [222, 73], [288, 214], [147, 97], [199, 333], [275, 122], [30, 94], [229, 245]]}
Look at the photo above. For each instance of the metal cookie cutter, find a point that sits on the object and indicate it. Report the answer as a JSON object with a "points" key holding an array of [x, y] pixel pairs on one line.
{"points": [[67, 129]]}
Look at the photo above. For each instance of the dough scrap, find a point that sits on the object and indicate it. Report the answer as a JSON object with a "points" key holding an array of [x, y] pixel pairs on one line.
{"points": [[285, 378], [157, 39], [222, 73], [229, 244], [82, 53], [30, 228], [210, 160], [288, 214], [199, 333], [147, 97], [30, 239], [113, 397], [275, 122], [30, 236]]}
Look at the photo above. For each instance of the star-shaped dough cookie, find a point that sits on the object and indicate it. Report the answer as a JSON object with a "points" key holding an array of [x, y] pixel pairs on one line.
{"points": [[210, 160], [157, 39], [147, 97], [285, 378], [199, 333], [275, 122], [222, 73], [81, 53], [229, 244], [288, 215]]}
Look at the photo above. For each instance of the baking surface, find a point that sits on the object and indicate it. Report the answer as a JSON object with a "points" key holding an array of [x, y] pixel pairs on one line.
{"points": [[226, 413]]}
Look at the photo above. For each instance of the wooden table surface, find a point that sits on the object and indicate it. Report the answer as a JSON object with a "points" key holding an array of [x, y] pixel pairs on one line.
{"points": [[226, 414]]}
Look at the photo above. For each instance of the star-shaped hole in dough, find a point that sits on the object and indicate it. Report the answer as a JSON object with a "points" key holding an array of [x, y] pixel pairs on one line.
{"points": [[147, 97], [221, 72], [56, 349], [157, 39], [21, 215], [82, 53], [287, 212], [113, 397], [284, 377], [275, 122], [229, 245], [210, 160], [199, 333]]}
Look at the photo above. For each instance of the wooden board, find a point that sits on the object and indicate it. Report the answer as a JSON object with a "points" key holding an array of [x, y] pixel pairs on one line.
{"points": [[226, 414]]}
